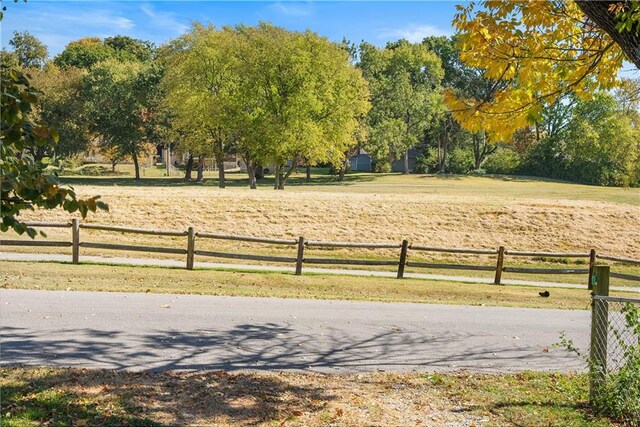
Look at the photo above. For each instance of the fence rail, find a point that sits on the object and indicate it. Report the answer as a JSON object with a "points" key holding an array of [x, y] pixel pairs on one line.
{"points": [[301, 244]]}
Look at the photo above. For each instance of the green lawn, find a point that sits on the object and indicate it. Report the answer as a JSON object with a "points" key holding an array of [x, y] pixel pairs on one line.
{"points": [[59, 276]]}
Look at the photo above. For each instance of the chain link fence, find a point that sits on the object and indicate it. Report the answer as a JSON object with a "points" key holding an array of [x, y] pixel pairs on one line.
{"points": [[615, 357]]}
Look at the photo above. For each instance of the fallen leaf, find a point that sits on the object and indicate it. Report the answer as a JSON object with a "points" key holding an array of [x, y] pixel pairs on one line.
{"points": [[165, 306]]}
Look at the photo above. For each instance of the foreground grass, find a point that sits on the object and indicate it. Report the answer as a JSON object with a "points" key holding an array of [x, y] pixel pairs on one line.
{"points": [[59, 276], [79, 397]]}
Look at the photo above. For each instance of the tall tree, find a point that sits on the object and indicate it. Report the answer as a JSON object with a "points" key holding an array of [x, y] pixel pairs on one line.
{"points": [[199, 85], [404, 80], [298, 99], [121, 96], [28, 50], [541, 50]]}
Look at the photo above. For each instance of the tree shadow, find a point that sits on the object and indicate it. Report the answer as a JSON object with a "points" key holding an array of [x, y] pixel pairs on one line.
{"points": [[124, 398], [233, 182], [267, 346], [222, 380]]}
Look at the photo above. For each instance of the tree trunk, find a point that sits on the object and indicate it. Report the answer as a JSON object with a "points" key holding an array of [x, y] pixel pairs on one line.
{"points": [[294, 166], [200, 176], [598, 12], [136, 166], [308, 172], [445, 147], [405, 164], [220, 164], [251, 170], [189, 168], [258, 170], [341, 172], [113, 166], [276, 178]]}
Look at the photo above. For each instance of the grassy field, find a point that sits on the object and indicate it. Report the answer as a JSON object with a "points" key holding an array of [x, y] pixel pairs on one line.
{"points": [[79, 397], [56, 276], [478, 212]]}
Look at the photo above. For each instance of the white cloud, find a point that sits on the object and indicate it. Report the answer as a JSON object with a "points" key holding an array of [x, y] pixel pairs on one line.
{"points": [[413, 33], [292, 9], [163, 19], [96, 18]]}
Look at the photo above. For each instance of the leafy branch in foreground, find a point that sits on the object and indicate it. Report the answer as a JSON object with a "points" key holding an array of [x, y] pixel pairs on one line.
{"points": [[24, 182]]}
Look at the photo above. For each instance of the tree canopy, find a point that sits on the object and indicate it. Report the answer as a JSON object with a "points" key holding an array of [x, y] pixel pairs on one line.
{"points": [[404, 80], [540, 50]]}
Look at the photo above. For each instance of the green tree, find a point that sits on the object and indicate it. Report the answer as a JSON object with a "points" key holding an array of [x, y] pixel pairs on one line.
{"points": [[404, 80], [121, 97], [62, 105], [89, 51], [199, 84], [24, 182], [84, 53], [28, 50], [129, 49], [299, 99]]}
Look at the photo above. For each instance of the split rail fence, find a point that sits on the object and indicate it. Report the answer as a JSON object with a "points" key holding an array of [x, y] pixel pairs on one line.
{"points": [[301, 243]]}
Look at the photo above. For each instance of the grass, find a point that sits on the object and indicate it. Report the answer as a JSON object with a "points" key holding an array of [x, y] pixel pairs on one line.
{"points": [[480, 212], [59, 276], [80, 397]]}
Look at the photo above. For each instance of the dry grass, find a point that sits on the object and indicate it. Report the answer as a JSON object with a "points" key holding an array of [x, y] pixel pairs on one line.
{"points": [[82, 397], [465, 212]]}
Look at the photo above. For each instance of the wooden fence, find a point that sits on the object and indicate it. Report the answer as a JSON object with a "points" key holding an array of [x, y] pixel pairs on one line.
{"points": [[298, 245]]}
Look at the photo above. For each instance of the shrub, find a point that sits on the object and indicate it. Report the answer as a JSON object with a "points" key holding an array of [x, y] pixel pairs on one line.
{"points": [[503, 161], [460, 161]]}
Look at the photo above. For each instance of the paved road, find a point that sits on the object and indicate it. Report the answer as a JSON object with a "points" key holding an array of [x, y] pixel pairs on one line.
{"points": [[154, 331], [11, 256]]}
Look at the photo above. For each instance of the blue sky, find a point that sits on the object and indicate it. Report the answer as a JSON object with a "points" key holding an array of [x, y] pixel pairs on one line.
{"points": [[57, 23]]}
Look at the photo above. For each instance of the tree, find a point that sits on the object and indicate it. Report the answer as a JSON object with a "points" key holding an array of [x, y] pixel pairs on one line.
{"points": [[84, 53], [199, 85], [24, 182], [89, 51], [404, 80], [597, 143], [62, 104], [540, 51], [298, 99], [127, 48], [28, 50], [120, 100]]}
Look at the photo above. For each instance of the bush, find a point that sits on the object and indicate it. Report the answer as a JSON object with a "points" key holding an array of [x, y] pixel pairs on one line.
{"points": [[503, 161], [426, 162], [460, 161], [618, 396]]}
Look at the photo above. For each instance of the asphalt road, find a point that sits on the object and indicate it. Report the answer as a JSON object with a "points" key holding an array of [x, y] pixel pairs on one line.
{"points": [[187, 332]]}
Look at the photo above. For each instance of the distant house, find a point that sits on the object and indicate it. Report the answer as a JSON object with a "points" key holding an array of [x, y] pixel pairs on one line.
{"points": [[362, 161]]}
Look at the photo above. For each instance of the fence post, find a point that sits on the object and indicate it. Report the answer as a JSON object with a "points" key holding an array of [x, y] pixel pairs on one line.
{"points": [[599, 331], [191, 246], [75, 240], [592, 263], [300, 256], [499, 266], [403, 258]]}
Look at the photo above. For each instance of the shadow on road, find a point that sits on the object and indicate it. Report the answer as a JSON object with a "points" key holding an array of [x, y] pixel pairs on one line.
{"points": [[269, 347]]}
